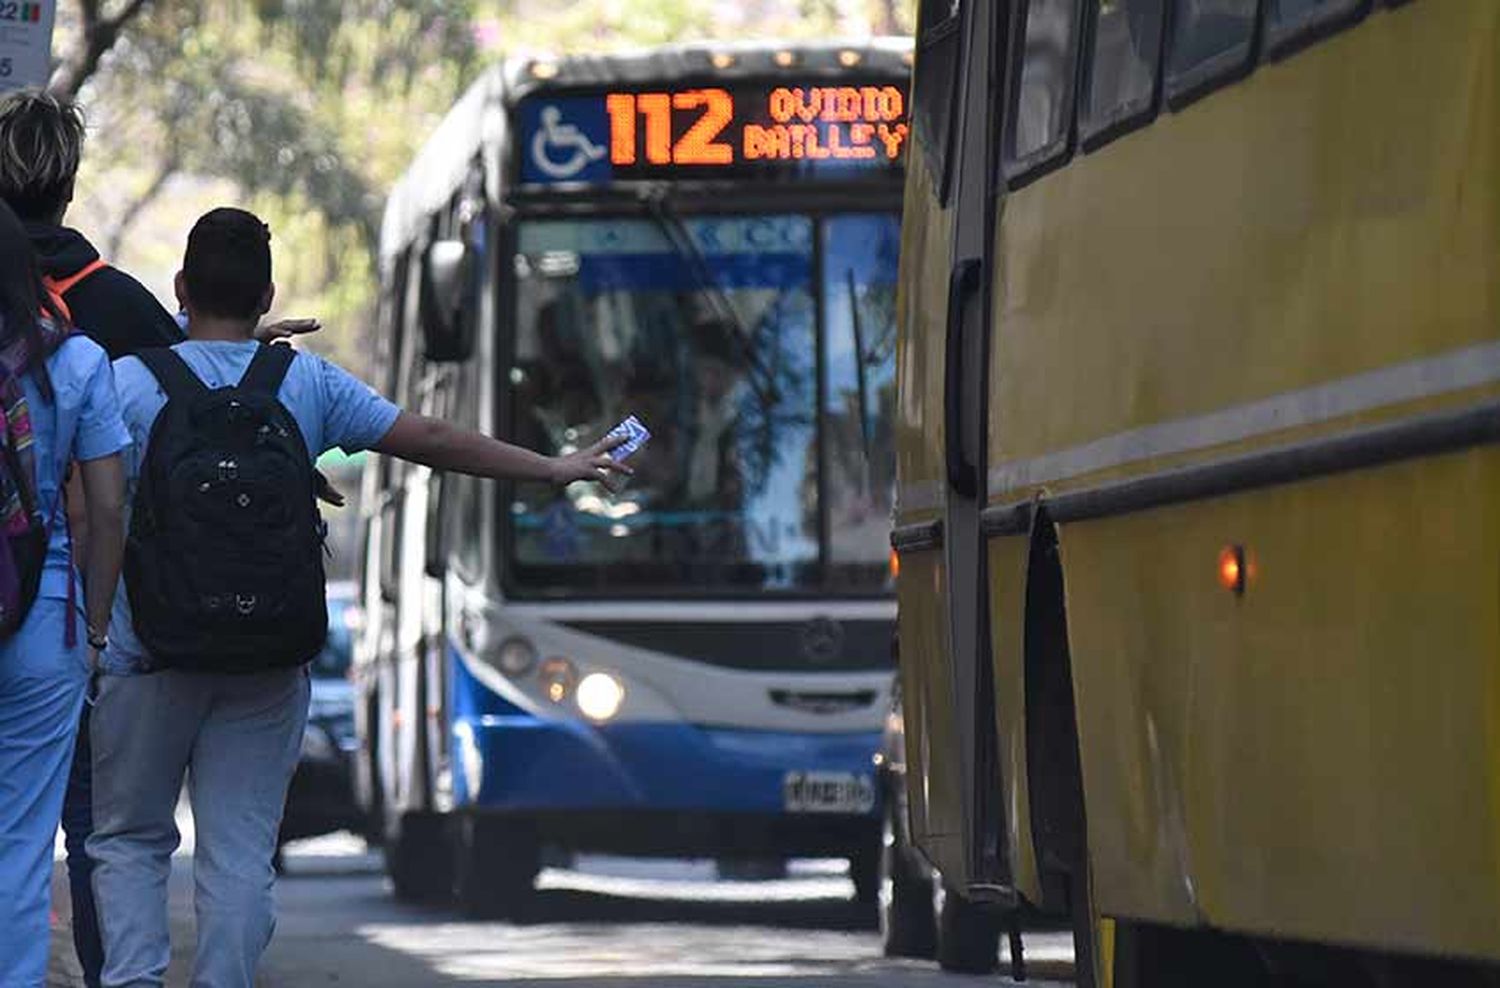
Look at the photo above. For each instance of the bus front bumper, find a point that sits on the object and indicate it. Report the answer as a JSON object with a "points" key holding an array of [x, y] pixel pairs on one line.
{"points": [[671, 788]]}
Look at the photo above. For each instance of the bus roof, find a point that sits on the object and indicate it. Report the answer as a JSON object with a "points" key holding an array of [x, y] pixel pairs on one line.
{"points": [[474, 129]]}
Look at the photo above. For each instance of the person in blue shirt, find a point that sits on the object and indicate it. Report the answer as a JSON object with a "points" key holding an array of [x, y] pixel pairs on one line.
{"points": [[45, 669], [236, 737]]}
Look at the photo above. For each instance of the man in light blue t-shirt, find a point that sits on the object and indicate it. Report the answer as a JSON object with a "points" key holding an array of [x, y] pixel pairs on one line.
{"points": [[236, 737]]}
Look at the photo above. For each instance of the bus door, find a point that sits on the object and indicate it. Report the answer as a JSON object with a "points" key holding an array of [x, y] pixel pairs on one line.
{"points": [[947, 696]]}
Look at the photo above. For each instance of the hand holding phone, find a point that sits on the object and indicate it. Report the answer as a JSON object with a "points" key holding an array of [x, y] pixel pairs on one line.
{"points": [[636, 436]]}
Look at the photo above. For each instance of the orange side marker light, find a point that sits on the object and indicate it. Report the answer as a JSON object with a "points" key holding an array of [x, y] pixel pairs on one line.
{"points": [[895, 564], [1232, 569]]}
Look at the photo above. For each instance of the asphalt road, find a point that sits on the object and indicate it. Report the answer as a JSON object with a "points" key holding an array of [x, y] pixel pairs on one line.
{"points": [[607, 923]]}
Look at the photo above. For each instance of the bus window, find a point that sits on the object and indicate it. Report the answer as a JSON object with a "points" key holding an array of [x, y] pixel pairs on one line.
{"points": [[860, 254], [1290, 23], [1120, 88], [1210, 44], [705, 329], [935, 83], [1041, 109]]}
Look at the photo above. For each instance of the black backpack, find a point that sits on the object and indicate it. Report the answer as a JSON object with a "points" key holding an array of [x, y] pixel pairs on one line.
{"points": [[224, 559]]}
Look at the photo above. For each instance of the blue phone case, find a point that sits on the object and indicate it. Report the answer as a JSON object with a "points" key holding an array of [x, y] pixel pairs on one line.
{"points": [[637, 436]]}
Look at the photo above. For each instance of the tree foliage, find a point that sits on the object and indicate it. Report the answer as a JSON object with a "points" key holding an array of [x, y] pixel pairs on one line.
{"points": [[97, 31], [295, 100], [309, 109]]}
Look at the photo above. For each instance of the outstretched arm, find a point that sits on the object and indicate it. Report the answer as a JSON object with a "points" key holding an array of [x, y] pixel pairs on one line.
{"points": [[443, 446]]}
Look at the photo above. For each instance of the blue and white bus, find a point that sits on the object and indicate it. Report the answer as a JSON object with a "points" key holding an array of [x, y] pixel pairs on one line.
{"points": [[698, 664]]}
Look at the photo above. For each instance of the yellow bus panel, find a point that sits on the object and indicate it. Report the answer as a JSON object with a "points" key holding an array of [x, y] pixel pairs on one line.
{"points": [[1007, 561], [1318, 757], [922, 308], [933, 797], [1196, 284]]}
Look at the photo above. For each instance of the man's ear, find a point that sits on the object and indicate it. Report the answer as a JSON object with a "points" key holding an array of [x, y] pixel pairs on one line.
{"points": [[179, 285], [268, 298]]}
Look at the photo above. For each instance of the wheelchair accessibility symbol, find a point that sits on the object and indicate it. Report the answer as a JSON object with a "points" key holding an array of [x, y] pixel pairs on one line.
{"points": [[560, 150]]}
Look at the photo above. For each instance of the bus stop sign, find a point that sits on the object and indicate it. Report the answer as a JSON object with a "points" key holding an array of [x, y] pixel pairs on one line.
{"points": [[26, 43]]}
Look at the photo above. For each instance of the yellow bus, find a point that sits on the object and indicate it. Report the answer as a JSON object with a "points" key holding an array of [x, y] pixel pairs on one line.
{"points": [[1199, 402]]}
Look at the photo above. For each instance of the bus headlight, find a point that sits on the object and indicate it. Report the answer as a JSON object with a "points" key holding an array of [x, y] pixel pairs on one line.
{"points": [[600, 696], [515, 657], [557, 676]]}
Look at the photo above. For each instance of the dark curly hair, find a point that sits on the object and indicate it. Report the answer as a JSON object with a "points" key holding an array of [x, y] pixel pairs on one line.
{"points": [[227, 266]]}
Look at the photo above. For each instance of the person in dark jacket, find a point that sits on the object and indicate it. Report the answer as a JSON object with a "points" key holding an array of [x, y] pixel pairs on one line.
{"points": [[41, 144], [113, 308]]}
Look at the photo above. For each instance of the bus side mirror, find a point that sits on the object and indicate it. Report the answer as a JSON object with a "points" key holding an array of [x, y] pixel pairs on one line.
{"points": [[447, 302]]}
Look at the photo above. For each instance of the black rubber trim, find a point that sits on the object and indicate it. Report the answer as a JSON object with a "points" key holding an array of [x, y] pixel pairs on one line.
{"points": [[817, 645], [1093, 134], [1018, 172], [964, 281], [916, 538], [1007, 519], [1287, 39], [1182, 89], [1428, 435]]}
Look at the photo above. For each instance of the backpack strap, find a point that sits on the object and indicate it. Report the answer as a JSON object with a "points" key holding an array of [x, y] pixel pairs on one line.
{"points": [[268, 369], [172, 373], [63, 286], [58, 288]]}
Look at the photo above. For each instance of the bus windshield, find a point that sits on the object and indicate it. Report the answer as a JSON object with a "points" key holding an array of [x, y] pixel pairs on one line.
{"points": [[715, 332]]}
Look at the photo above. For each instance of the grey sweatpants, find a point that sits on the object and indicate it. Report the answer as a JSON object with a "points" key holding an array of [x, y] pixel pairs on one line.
{"points": [[237, 739]]}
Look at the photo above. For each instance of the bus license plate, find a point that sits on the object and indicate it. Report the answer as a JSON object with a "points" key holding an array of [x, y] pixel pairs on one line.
{"points": [[828, 792]]}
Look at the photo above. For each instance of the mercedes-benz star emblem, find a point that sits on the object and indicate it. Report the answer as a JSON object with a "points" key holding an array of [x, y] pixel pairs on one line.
{"points": [[822, 640]]}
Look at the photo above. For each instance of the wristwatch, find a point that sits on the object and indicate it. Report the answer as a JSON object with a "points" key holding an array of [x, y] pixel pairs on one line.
{"points": [[97, 641]]}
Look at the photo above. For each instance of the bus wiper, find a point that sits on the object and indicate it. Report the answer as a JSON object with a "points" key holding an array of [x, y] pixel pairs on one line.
{"points": [[654, 198]]}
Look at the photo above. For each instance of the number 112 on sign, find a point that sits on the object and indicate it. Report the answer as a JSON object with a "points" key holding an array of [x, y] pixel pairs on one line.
{"points": [[711, 111]]}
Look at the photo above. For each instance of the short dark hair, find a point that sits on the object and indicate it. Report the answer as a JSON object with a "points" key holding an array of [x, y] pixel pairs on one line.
{"points": [[227, 267], [41, 141]]}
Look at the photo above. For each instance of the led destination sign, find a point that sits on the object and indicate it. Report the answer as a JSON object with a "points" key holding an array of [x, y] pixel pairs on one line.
{"points": [[815, 131]]}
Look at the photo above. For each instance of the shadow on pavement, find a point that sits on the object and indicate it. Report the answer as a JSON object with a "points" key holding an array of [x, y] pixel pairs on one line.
{"points": [[699, 907], [569, 906]]}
